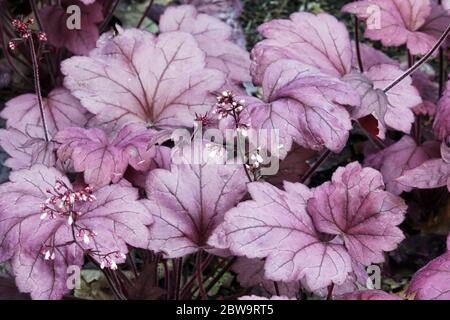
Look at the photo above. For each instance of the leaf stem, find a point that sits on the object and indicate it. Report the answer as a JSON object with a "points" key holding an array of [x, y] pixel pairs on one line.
{"points": [[323, 157], [166, 277], [132, 263], [330, 292], [219, 275], [442, 73], [178, 267], [241, 138], [147, 11], [109, 16], [187, 287], [277, 289], [198, 270], [37, 87], [357, 45], [419, 63]]}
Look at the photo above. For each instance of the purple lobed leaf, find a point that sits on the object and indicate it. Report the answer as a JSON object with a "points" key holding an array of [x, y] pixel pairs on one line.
{"points": [[214, 38], [355, 206], [116, 215], [275, 225], [62, 110], [433, 173], [104, 159], [27, 148], [119, 83], [55, 23], [304, 105], [432, 281], [441, 126], [189, 201], [403, 155], [317, 40], [398, 22]]}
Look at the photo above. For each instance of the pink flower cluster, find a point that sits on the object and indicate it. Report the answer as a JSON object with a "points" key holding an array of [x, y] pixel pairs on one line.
{"points": [[23, 28]]}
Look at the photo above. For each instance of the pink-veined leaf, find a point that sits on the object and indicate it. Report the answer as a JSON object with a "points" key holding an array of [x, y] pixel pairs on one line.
{"points": [[190, 200], [401, 99], [354, 206], [398, 22], [116, 215], [103, 158], [429, 91], [399, 157], [441, 126], [45, 279], [214, 38], [62, 110], [432, 281], [57, 23], [120, 84], [317, 40], [437, 21], [229, 11], [275, 225], [27, 148], [368, 295], [373, 101], [304, 106], [24, 137], [431, 174]]}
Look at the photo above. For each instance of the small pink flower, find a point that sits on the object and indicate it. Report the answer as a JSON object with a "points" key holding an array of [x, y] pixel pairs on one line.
{"points": [[12, 45], [48, 253], [109, 261], [42, 36]]}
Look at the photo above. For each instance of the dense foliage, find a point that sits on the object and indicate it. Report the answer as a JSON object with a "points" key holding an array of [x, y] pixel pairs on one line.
{"points": [[169, 161]]}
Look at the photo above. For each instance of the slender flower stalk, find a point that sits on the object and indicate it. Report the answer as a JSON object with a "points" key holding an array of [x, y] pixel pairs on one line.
{"points": [[47, 56], [227, 105], [23, 29], [37, 88]]}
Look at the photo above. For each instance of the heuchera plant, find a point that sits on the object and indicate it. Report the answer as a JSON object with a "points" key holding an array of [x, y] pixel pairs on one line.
{"points": [[116, 164]]}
